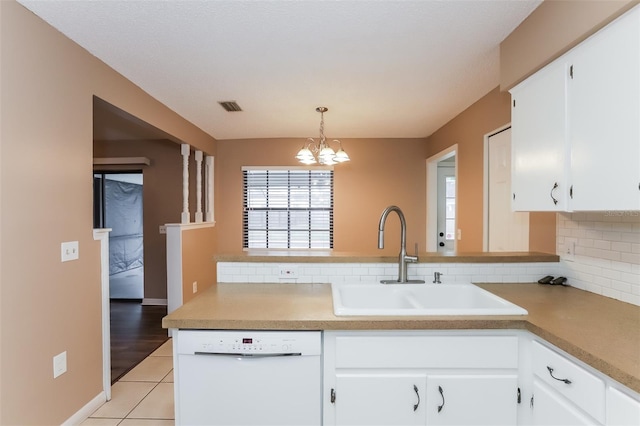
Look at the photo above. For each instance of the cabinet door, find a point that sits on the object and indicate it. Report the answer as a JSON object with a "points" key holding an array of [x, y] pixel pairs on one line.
{"points": [[622, 410], [552, 409], [604, 117], [472, 400], [539, 149], [380, 399]]}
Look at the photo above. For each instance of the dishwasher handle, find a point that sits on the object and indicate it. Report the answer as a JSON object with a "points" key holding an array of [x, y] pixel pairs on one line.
{"points": [[249, 355]]}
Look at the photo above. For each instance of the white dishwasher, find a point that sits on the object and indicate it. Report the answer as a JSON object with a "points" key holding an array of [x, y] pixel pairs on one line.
{"points": [[248, 377]]}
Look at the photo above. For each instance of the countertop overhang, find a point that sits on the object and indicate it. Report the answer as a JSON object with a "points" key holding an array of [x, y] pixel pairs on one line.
{"points": [[330, 256], [602, 332]]}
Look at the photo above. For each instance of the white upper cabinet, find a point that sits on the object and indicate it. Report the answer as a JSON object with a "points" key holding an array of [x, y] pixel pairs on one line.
{"points": [[540, 156], [576, 126], [604, 117]]}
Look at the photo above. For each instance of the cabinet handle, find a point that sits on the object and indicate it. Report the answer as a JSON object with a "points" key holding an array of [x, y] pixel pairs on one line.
{"points": [[415, 406], [571, 192], [555, 186], [567, 381], [440, 407], [333, 396]]}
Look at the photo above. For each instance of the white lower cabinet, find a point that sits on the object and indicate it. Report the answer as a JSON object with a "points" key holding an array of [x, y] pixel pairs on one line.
{"points": [[420, 378], [552, 409], [574, 389], [380, 398], [622, 409], [472, 399], [470, 378]]}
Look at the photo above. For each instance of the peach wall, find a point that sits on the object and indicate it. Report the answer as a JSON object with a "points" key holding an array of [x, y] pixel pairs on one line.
{"points": [[162, 199], [198, 249], [381, 172], [551, 30], [468, 130], [47, 307]]}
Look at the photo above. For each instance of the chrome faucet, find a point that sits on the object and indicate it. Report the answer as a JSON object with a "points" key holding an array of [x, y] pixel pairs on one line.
{"points": [[403, 258]]}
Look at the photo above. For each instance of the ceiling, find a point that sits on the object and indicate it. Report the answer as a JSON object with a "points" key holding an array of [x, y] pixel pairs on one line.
{"points": [[386, 68]]}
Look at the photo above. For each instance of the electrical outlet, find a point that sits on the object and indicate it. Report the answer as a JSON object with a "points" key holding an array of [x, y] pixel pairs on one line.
{"points": [[195, 286], [288, 272], [163, 229], [569, 251], [459, 234], [69, 251], [59, 364]]}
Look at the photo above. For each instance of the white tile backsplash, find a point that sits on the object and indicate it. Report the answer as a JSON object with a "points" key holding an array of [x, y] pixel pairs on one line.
{"points": [[372, 273], [607, 252], [606, 261]]}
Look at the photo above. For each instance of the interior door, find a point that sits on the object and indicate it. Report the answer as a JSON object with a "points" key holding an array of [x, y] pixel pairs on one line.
{"points": [[446, 205], [508, 230]]}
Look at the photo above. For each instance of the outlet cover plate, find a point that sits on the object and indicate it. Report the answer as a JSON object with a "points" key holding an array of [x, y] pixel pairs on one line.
{"points": [[59, 364], [69, 251]]}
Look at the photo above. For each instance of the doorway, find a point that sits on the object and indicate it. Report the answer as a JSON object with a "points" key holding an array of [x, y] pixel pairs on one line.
{"points": [[118, 206], [446, 205], [439, 215], [505, 230]]}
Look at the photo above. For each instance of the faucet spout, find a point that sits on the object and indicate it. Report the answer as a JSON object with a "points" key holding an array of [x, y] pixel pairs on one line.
{"points": [[403, 259]]}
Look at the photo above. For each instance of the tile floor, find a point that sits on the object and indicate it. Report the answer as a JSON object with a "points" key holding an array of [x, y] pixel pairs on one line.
{"points": [[144, 396]]}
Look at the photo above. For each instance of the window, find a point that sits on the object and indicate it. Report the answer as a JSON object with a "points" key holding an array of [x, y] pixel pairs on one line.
{"points": [[288, 208], [450, 209]]}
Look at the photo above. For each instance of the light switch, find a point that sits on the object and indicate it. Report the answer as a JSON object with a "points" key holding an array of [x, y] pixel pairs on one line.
{"points": [[69, 251], [59, 364]]}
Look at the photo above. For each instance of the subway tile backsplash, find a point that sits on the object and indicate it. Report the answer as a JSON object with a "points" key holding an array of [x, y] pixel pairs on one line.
{"points": [[372, 273], [606, 252], [599, 252]]}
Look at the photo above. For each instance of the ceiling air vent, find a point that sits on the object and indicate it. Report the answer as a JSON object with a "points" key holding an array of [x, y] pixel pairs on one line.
{"points": [[230, 106]]}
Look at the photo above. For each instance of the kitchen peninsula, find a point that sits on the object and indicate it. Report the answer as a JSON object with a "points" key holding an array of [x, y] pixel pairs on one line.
{"points": [[592, 338], [599, 331]]}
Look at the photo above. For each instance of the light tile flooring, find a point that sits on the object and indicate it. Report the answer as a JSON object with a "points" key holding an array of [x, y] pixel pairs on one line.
{"points": [[144, 396]]}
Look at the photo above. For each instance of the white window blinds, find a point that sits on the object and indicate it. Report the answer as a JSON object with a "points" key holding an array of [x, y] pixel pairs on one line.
{"points": [[288, 208]]}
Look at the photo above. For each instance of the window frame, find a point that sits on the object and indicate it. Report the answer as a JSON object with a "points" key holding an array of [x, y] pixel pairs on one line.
{"points": [[246, 209]]}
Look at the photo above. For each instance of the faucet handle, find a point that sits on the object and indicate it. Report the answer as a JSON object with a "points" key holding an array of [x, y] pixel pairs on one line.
{"points": [[411, 259]]}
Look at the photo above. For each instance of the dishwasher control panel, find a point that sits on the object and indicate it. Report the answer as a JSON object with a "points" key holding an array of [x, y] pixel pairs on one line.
{"points": [[249, 342]]}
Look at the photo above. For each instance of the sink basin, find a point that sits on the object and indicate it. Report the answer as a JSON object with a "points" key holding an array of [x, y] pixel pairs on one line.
{"points": [[412, 299]]}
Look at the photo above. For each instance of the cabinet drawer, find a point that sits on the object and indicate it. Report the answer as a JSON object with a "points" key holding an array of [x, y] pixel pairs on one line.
{"points": [[578, 385], [498, 352]]}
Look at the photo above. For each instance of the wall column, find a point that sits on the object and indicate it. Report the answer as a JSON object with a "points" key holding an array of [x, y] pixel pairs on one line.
{"points": [[185, 150], [198, 218], [209, 188]]}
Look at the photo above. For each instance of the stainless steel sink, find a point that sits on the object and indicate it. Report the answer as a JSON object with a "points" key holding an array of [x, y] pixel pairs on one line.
{"points": [[412, 299]]}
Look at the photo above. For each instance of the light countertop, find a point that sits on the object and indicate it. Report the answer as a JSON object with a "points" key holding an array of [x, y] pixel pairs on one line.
{"points": [[602, 332]]}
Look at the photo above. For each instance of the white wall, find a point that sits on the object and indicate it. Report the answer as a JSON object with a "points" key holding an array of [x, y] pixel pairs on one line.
{"points": [[607, 252]]}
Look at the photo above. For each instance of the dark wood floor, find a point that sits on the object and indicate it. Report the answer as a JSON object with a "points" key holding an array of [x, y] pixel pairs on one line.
{"points": [[136, 331]]}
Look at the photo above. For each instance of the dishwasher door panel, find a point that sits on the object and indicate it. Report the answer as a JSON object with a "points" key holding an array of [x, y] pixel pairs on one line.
{"points": [[232, 390]]}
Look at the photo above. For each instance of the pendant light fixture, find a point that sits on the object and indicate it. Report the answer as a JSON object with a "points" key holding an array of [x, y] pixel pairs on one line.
{"points": [[321, 152]]}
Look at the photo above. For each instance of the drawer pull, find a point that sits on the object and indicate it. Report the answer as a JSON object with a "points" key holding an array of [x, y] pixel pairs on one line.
{"points": [[440, 407], [555, 200], [567, 381], [415, 406], [333, 396]]}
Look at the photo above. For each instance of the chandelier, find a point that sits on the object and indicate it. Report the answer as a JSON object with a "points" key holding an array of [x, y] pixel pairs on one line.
{"points": [[320, 152]]}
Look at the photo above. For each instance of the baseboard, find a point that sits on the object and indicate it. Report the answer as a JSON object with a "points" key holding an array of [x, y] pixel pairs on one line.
{"points": [[84, 413], [160, 302]]}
